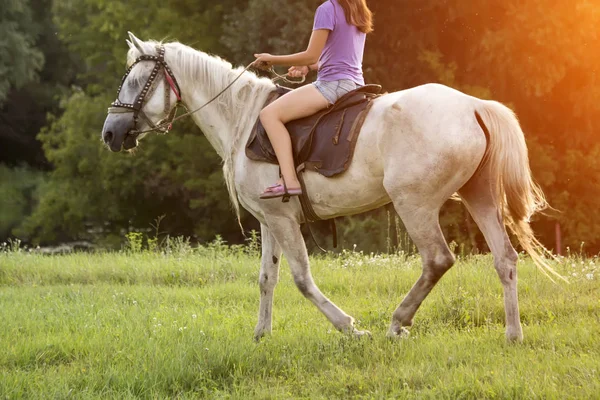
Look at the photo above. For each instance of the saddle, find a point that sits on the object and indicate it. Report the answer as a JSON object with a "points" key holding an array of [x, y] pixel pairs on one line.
{"points": [[323, 142]]}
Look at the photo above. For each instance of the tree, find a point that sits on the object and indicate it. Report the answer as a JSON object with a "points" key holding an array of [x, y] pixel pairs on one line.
{"points": [[20, 61], [111, 193], [259, 27], [533, 56]]}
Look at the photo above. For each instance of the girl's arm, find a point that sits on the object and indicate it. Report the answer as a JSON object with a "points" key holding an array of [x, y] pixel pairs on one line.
{"points": [[309, 57]]}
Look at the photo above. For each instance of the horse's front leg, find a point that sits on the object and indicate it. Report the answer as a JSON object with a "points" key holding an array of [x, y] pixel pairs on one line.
{"points": [[268, 278], [287, 233]]}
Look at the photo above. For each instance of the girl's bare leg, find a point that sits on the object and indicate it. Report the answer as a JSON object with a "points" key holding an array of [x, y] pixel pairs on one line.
{"points": [[300, 103]]}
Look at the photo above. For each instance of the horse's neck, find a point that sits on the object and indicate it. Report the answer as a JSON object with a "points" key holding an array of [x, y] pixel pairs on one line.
{"points": [[229, 118]]}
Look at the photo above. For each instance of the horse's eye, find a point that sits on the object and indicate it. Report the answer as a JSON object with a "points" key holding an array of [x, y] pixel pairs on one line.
{"points": [[132, 84]]}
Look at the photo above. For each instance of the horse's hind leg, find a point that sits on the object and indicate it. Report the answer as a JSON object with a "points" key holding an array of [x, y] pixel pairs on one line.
{"points": [[478, 197], [423, 226], [268, 278], [287, 232]]}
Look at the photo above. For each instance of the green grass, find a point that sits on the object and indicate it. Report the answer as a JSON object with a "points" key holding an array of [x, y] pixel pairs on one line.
{"points": [[146, 325]]}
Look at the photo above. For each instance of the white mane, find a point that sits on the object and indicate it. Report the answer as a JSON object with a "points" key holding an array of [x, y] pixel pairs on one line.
{"points": [[211, 74], [240, 104]]}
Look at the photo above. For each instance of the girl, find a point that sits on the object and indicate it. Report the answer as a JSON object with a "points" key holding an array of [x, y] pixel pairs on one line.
{"points": [[336, 49]]}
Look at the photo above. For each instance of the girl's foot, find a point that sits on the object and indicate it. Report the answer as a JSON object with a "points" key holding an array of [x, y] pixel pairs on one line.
{"points": [[280, 190]]}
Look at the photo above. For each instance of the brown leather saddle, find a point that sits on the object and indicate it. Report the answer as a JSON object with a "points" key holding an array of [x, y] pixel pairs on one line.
{"points": [[323, 142]]}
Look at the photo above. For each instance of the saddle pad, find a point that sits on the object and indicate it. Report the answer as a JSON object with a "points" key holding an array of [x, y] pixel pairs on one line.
{"points": [[323, 142]]}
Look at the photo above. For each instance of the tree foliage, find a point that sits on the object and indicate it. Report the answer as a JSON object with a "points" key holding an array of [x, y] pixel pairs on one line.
{"points": [[33, 69], [538, 57], [21, 60], [18, 195], [177, 176]]}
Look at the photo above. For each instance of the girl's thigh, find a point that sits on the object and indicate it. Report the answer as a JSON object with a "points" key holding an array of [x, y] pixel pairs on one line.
{"points": [[299, 103]]}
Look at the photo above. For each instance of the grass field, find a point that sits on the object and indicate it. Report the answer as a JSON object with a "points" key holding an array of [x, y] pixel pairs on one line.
{"points": [[180, 325]]}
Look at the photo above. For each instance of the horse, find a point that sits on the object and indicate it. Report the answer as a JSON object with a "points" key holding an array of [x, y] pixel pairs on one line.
{"points": [[416, 149]]}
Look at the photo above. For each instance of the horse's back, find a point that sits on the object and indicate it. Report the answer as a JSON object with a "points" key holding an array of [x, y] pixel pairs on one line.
{"points": [[424, 138], [426, 117], [424, 134]]}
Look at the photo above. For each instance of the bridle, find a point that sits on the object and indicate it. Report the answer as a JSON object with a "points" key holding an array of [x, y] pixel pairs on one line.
{"points": [[164, 125]]}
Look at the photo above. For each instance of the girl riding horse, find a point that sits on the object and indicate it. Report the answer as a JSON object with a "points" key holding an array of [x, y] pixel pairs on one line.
{"points": [[336, 50]]}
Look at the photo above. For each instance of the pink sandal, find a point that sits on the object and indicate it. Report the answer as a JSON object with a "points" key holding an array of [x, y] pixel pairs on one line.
{"points": [[280, 190]]}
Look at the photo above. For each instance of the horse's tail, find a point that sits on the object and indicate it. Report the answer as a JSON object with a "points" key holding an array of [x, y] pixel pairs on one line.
{"points": [[518, 196]]}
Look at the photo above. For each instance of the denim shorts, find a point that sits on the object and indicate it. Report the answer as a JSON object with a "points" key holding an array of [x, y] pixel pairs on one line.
{"points": [[333, 90]]}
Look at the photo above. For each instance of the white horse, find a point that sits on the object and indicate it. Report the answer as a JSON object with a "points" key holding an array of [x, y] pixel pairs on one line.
{"points": [[416, 149]]}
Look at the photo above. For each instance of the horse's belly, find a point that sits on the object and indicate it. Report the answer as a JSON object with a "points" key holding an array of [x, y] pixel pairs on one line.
{"points": [[357, 190]]}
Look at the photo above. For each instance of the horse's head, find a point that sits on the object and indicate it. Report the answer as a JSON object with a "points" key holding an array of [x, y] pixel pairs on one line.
{"points": [[144, 102]]}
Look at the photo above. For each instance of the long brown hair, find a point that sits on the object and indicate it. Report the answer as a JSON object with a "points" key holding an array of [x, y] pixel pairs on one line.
{"points": [[358, 14]]}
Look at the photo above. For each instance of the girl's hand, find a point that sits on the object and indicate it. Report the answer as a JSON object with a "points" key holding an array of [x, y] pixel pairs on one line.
{"points": [[298, 72], [263, 61]]}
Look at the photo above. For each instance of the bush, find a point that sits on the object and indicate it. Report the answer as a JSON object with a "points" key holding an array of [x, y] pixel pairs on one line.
{"points": [[19, 188]]}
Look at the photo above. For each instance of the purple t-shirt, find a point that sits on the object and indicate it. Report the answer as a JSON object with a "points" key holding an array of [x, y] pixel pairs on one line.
{"points": [[343, 53]]}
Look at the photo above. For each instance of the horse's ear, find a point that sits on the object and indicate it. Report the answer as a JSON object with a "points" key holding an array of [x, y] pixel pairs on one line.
{"points": [[131, 46], [137, 43]]}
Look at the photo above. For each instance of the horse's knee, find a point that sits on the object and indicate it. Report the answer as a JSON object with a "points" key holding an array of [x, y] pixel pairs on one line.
{"points": [[439, 265], [506, 269], [506, 264], [511, 254], [303, 284], [445, 262], [267, 281], [263, 282]]}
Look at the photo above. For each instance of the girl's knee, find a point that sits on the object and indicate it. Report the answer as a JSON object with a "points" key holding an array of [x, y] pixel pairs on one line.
{"points": [[268, 115]]}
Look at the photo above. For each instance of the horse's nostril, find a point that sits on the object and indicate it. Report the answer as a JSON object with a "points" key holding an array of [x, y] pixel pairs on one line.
{"points": [[108, 137]]}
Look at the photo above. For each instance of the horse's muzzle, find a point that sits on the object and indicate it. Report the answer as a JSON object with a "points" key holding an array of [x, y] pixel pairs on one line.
{"points": [[115, 132]]}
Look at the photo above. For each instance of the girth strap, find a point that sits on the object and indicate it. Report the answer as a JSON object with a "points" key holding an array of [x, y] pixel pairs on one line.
{"points": [[309, 213]]}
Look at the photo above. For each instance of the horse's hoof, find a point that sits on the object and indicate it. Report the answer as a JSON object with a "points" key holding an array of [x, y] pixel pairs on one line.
{"points": [[361, 334], [402, 333], [514, 334], [515, 339], [259, 335]]}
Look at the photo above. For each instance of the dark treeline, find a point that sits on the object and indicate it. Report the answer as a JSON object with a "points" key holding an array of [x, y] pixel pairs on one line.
{"points": [[61, 63]]}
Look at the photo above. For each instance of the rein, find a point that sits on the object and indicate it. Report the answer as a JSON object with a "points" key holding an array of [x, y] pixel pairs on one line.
{"points": [[284, 77], [166, 124], [170, 123]]}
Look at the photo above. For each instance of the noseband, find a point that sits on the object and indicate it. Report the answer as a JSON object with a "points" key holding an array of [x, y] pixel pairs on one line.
{"points": [[164, 125]]}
